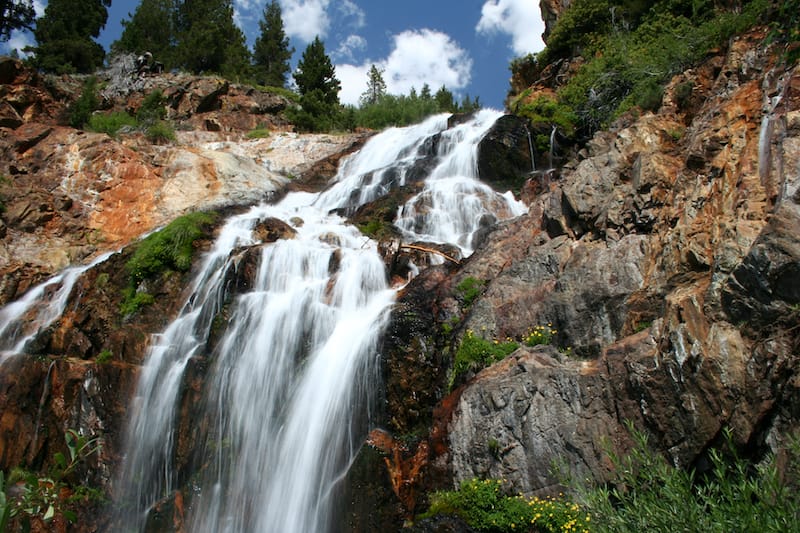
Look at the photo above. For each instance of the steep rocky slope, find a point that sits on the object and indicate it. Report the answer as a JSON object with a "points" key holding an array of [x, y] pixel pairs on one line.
{"points": [[665, 258], [71, 194]]}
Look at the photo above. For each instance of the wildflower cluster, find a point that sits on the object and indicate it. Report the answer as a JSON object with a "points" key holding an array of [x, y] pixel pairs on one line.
{"points": [[484, 506], [539, 335]]}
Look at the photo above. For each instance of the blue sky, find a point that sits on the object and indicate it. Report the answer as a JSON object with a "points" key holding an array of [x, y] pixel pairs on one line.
{"points": [[465, 45]]}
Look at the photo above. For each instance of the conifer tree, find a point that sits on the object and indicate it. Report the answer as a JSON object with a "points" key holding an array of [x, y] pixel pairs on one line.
{"points": [[319, 89], [271, 53], [15, 15], [376, 87], [64, 36], [209, 40], [151, 28]]}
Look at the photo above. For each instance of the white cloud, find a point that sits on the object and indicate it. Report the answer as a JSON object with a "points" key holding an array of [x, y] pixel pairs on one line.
{"points": [[348, 8], [348, 48], [418, 57], [305, 19], [521, 19]]}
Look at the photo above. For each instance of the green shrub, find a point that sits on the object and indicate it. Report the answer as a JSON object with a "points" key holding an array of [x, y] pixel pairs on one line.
{"points": [[152, 109], [475, 353], [170, 248], [648, 494], [631, 49], [160, 131], [80, 111], [111, 123], [483, 505]]}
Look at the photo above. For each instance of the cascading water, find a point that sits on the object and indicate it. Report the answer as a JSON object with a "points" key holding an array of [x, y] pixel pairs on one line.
{"points": [[287, 383], [454, 205], [22, 320]]}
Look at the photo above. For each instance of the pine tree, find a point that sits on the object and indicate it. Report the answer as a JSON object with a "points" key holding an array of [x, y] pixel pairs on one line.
{"points": [[376, 87], [271, 53], [151, 28], [64, 36], [444, 100], [209, 40], [15, 15], [319, 89]]}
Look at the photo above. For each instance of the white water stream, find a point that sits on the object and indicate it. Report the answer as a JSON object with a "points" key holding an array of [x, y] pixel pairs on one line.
{"points": [[40, 306], [286, 388]]}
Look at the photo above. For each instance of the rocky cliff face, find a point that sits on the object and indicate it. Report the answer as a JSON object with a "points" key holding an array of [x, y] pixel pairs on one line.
{"points": [[665, 257], [71, 194]]}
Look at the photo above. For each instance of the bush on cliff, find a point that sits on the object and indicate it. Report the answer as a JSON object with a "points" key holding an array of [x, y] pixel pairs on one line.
{"points": [[169, 249]]}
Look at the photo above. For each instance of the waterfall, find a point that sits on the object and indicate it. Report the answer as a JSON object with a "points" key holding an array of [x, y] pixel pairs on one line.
{"points": [[40, 306], [454, 205], [286, 368]]}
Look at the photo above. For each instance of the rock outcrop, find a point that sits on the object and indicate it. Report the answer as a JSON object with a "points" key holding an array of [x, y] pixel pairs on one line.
{"points": [[70, 194], [664, 258]]}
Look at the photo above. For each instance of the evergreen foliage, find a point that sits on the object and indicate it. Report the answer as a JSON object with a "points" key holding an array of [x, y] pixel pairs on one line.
{"points": [[65, 36], [209, 40], [319, 90], [271, 52], [81, 110], [631, 48], [151, 28], [376, 87], [15, 15]]}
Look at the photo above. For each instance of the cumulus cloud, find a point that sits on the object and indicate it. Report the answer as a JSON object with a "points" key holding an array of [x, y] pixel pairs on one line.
{"points": [[418, 57], [305, 19], [520, 19]]}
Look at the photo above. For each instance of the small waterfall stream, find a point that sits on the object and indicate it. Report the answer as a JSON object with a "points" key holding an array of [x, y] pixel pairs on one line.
{"points": [[40, 306], [287, 382]]}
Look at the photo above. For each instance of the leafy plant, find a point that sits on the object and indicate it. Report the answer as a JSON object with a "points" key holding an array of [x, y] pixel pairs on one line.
{"points": [[44, 497], [475, 353], [160, 131], [105, 356], [539, 335], [152, 108], [485, 507], [80, 111]]}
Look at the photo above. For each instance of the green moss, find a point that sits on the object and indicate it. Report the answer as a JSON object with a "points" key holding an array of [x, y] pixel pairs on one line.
{"points": [[258, 133], [469, 289], [105, 356]]}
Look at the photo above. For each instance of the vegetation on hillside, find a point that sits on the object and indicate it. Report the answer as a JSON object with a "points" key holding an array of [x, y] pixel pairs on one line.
{"points": [[646, 493], [629, 50]]}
